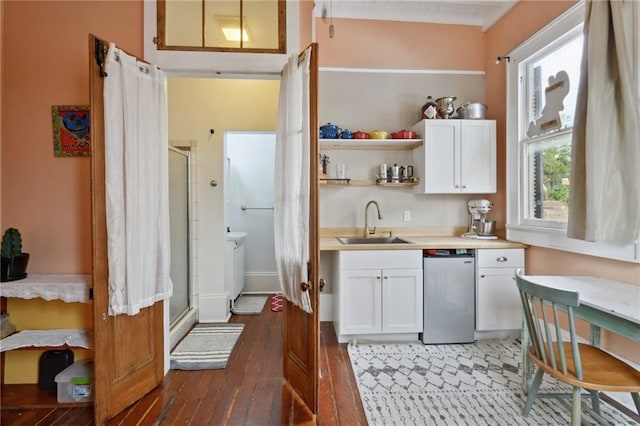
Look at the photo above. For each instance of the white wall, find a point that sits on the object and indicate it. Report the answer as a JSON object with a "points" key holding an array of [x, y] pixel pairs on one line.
{"points": [[367, 100], [250, 183]]}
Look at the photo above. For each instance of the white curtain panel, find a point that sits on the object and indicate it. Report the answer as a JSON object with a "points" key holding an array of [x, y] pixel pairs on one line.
{"points": [[137, 183], [291, 215], [604, 201]]}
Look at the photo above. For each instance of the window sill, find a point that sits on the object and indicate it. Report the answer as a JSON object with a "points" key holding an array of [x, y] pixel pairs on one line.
{"points": [[557, 239]]}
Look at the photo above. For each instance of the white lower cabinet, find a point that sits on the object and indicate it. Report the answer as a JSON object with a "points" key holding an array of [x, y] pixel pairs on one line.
{"points": [[377, 292], [498, 304]]}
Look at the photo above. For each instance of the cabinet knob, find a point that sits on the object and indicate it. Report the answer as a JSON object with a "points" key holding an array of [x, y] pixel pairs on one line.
{"points": [[322, 284], [386, 277], [305, 286], [457, 186], [482, 276], [378, 277], [464, 186], [501, 259]]}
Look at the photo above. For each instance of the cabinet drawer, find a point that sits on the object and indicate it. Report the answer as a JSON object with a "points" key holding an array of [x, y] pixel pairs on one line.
{"points": [[500, 258], [380, 259]]}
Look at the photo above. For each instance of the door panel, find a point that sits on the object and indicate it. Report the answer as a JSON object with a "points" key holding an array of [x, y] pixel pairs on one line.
{"points": [[402, 300], [128, 360], [302, 330], [361, 308]]}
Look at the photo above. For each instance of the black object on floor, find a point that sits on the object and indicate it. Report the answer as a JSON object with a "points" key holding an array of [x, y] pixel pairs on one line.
{"points": [[51, 363]]}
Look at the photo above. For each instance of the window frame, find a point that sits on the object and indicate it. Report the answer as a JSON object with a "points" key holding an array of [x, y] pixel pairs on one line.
{"points": [[161, 23], [207, 64], [534, 232]]}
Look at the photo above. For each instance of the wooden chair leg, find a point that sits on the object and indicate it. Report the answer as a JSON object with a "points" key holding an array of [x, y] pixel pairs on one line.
{"points": [[595, 401], [636, 400], [533, 392], [576, 408]]}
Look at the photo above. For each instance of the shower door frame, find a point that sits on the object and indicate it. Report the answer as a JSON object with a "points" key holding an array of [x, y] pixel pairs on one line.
{"points": [[181, 325]]}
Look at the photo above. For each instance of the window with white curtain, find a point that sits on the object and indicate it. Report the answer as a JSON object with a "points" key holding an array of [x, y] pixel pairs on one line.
{"points": [[543, 75]]}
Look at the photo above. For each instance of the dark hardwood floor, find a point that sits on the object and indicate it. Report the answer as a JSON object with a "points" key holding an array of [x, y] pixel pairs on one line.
{"points": [[250, 391]]}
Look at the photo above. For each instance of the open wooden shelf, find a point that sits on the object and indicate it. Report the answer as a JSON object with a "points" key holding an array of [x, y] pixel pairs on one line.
{"points": [[396, 183], [356, 182], [20, 396], [391, 144]]}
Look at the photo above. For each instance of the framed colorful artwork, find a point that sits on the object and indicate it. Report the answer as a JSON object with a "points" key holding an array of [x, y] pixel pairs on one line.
{"points": [[71, 130]]}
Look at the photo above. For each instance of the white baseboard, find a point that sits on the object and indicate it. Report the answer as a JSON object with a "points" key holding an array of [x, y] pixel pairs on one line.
{"points": [[261, 282], [496, 334], [182, 327], [326, 311], [213, 307]]}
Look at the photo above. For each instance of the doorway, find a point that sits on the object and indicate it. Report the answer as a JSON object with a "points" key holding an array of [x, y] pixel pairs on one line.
{"points": [[249, 203]]}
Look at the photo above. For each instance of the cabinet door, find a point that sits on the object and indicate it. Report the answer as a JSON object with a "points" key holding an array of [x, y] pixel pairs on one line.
{"points": [[498, 301], [442, 143], [360, 303], [402, 300], [477, 156]]}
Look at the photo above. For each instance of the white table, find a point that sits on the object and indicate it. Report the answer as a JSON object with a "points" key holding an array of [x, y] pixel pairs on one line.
{"points": [[603, 303]]}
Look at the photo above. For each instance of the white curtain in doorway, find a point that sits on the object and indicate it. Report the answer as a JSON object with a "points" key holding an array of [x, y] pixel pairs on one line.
{"points": [[291, 215], [604, 202], [137, 183]]}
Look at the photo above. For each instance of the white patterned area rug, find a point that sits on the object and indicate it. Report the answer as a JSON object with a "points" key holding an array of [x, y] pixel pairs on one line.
{"points": [[206, 347], [249, 305], [472, 384]]}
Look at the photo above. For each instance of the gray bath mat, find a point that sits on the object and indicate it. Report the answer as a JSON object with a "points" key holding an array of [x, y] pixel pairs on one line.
{"points": [[206, 347], [249, 305]]}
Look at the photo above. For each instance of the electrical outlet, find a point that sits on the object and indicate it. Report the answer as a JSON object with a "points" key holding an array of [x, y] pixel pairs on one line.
{"points": [[407, 215]]}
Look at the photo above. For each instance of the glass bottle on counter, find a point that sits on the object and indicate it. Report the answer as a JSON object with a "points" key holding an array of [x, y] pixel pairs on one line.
{"points": [[430, 109]]}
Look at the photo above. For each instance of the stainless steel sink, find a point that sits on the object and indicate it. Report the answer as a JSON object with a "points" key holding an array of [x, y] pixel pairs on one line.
{"points": [[372, 240]]}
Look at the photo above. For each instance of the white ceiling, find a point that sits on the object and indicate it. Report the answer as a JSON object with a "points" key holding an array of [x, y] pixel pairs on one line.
{"points": [[482, 13]]}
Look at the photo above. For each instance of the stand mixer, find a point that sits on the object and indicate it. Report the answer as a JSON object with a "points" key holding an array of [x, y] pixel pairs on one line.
{"points": [[479, 226]]}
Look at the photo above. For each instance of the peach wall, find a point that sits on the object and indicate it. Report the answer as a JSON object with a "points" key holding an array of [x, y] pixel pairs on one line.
{"points": [[1, 50], [521, 22], [45, 59], [387, 44], [305, 14]]}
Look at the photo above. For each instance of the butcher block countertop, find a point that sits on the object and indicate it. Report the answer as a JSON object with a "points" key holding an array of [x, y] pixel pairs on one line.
{"points": [[417, 238]]}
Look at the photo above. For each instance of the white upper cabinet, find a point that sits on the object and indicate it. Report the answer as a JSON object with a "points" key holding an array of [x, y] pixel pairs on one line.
{"points": [[457, 156]]}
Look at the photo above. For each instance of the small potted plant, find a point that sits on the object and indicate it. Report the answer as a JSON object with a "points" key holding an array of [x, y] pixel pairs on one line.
{"points": [[14, 261]]}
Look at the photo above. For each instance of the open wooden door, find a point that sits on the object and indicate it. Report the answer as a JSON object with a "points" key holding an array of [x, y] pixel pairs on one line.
{"points": [[302, 330], [128, 360]]}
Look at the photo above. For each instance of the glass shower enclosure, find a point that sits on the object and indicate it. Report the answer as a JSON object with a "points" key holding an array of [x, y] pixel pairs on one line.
{"points": [[179, 200]]}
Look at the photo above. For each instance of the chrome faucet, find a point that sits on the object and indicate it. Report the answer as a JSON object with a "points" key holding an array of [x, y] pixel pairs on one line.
{"points": [[368, 231]]}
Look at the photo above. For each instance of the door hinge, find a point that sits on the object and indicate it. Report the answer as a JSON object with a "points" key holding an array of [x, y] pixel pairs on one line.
{"points": [[91, 293], [156, 40]]}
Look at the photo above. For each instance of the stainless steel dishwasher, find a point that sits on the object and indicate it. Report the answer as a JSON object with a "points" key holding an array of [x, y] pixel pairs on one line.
{"points": [[449, 296]]}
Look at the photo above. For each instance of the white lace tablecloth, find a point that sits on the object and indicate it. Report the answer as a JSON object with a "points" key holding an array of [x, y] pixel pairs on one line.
{"points": [[68, 288], [46, 338]]}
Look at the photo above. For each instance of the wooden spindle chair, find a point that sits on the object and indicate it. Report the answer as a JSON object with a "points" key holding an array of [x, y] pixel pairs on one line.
{"points": [[581, 365]]}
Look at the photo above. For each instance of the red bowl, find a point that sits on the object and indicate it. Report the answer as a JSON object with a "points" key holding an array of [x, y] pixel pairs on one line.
{"points": [[404, 134], [360, 135]]}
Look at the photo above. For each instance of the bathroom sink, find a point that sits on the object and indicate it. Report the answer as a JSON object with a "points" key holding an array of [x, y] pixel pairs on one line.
{"points": [[372, 240]]}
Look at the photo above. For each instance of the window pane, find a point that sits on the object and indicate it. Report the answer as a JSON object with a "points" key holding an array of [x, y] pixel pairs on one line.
{"points": [[222, 23], [553, 89], [262, 23], [548, 178], [183, 23]]}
